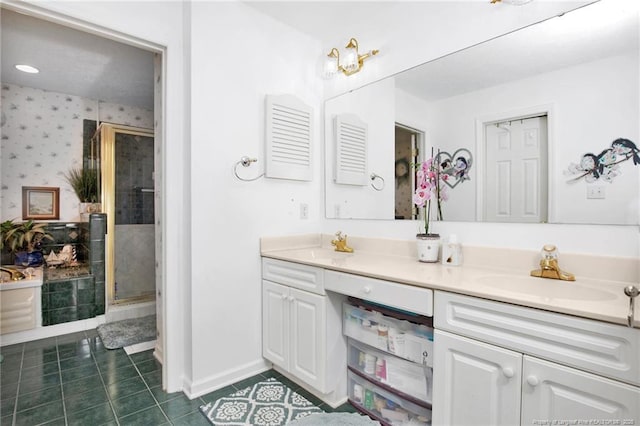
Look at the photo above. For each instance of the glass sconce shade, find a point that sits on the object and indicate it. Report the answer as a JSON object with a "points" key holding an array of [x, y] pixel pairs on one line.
{"points": [[330, 65], [351, 59]]}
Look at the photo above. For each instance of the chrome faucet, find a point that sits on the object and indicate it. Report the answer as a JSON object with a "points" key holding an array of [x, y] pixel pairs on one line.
{"points": [[341, 243], [549, 266], [15, 274]]}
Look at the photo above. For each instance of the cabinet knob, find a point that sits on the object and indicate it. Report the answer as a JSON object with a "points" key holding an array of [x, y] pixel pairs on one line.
{"points": [[508, 372], [291, 298], [533, 381], [367, 290], [284, 297]]}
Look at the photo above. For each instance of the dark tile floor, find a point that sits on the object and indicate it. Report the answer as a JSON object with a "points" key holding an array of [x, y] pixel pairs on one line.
{"points": [[74, 380]]}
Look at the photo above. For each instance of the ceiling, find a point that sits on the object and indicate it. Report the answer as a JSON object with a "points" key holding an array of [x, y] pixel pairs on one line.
{"points": [[593, 32], [74, 62]]}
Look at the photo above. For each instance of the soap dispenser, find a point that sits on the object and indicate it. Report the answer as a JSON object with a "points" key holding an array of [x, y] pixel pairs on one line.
{"points": [[452, 252]]}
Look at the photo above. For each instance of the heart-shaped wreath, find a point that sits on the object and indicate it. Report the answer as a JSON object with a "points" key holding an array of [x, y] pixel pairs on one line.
{"points": [[456, 166]]}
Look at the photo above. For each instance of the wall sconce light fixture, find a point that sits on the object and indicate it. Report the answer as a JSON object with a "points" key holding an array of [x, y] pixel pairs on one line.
{"points": [[352, 61]]}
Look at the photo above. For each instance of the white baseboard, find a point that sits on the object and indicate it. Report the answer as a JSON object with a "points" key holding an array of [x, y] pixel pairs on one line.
{"points": [[51, 331], [139, 347], [157, 353], [225, 378], [334, 399]]}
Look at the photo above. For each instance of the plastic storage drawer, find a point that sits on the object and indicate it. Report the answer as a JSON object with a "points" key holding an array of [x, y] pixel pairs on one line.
{"points": [[402, 338], [385, 406], [409, 378]]}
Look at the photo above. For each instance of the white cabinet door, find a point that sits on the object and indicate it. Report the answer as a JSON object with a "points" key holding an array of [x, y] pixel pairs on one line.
{"points": [[275, 323], [552, 392], [474, 383], [308, 337]]}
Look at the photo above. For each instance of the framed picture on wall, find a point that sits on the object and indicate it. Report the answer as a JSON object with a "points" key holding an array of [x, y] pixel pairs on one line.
{"points": [[40, 203]]}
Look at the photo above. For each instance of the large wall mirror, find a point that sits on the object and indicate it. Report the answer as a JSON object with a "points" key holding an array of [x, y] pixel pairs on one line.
{"points": [[547, 117]]}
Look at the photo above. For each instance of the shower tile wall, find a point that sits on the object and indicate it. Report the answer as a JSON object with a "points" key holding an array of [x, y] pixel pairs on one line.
{"points": [[42, 139]]}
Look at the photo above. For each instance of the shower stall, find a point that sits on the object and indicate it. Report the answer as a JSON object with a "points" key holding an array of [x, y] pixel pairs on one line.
{"points": [[125, 158]]}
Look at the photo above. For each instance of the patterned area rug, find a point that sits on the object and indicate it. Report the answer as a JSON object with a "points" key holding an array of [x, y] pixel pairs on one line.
{"points": [[267, 403], [117, 334]]}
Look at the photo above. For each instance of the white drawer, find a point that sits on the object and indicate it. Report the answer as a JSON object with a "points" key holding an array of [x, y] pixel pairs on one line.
{"points": [[606, 349], [402, 296], [303, 277]]}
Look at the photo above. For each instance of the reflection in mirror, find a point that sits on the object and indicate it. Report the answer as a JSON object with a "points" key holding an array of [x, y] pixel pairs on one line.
{"points": [[525, 106]]}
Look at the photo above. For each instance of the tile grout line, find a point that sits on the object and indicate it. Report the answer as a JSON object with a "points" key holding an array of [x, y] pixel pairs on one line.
{"points": [[149, 390], [64, 406], [15, 403], [104, 386]]}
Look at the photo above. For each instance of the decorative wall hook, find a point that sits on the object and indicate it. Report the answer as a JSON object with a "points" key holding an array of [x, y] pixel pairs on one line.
{"points": [[245, 162], [380, 185]]}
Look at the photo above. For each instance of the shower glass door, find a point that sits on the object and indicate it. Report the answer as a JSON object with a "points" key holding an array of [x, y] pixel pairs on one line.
{"points": [[128, 200]]}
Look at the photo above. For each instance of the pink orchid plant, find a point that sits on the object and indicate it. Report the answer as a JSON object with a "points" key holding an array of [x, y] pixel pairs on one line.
{"points": [[429, 187]]}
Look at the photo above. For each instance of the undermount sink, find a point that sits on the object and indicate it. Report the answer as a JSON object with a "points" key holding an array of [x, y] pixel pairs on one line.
{"points": [[327, 254], [544, 288]]}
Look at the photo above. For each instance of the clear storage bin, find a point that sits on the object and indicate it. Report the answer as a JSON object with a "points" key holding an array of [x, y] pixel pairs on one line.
{"points": [[414, 380], [399, 337], [384, 405]]}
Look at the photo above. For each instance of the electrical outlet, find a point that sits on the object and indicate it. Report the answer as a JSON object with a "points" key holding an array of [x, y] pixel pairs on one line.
{"points": [[304, 211], [595, 192]]}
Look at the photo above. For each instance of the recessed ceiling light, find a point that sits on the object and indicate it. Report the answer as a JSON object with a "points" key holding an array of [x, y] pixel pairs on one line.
{"points": [[28, 68]]}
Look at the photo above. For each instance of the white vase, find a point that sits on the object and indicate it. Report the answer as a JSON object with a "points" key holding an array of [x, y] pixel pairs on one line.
{"points": [[428, 247]]}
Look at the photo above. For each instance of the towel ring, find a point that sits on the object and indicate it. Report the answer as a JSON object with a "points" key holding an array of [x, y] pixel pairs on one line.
{"points": [[373, 177], [245, 162]]}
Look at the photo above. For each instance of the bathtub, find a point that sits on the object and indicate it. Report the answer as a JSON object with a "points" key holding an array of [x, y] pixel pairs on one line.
{"points": [[20, 303]]}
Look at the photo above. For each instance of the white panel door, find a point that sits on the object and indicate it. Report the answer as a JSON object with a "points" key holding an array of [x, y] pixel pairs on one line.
{"points": [[307, 337], [474, 383], [516, 171], [552, 392], [275, 323]]}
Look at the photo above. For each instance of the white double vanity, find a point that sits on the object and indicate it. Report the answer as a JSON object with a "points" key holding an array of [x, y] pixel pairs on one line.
{"points": [[412, 343]]}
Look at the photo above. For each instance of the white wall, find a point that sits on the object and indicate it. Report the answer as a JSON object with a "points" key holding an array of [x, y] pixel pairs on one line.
{"points": [[238, 57], [593, 104]]}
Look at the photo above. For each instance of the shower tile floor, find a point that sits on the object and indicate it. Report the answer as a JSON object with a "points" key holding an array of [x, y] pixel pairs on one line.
{"points": [[74, 380]]}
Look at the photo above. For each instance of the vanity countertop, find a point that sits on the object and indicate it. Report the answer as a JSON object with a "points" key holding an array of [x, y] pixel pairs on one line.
{"points": [[594, 298], [30, 281]]}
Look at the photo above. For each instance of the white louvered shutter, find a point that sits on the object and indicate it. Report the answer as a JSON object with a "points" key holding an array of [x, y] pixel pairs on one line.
{"points": [[351, 150], [289, 137]]}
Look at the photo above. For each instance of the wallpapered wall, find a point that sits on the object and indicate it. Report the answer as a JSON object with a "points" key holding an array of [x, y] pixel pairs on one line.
{"points": [[42, 139]]}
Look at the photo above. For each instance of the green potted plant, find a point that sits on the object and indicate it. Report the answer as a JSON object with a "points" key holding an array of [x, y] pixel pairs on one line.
{"points": [[23, 240], [84, 182]]}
